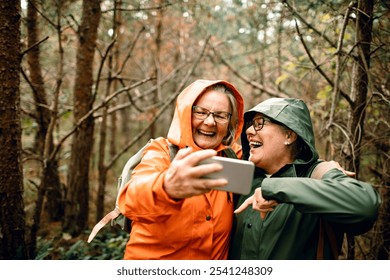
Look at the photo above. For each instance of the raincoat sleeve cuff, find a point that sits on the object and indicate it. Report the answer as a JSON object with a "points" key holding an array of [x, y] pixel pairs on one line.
{"points": [[266, 188]]}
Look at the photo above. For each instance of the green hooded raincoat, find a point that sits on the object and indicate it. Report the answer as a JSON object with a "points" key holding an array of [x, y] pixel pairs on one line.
{"points": [[291, 231]]}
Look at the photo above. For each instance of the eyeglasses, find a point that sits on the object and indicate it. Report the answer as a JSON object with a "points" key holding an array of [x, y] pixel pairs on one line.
{"points": [[257, 123], [202, 113]]}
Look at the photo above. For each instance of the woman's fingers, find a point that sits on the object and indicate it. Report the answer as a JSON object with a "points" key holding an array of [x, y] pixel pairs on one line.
{"points": [[258, 205], [245, 205]]}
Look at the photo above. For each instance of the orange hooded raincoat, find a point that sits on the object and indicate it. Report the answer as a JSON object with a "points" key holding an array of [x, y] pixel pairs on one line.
{"points": [[162, 228]]}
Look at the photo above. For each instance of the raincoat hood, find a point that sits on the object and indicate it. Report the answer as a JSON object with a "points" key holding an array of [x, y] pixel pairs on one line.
{"points": [[291, 112], [180, 131]]}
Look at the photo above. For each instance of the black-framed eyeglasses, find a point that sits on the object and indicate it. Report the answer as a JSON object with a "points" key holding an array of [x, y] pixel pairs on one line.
{"points": [[257, 123], [202, 113]]}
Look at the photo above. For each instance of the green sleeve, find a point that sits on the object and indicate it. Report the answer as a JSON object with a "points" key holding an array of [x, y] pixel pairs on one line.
{"points": [[336, 197]]}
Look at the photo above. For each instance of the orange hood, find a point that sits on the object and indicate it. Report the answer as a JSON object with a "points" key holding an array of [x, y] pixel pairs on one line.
{"points": [[180, 131]]}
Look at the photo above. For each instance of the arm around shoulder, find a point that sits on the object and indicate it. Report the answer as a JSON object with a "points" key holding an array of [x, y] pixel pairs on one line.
{"points": [[362, 195]]}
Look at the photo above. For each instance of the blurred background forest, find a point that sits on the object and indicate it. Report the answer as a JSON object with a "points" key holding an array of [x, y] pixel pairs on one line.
{"points": [[97, 79]]}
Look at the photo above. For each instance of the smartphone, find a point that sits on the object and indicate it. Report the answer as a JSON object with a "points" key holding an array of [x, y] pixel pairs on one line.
{"points": [[238, 173]]}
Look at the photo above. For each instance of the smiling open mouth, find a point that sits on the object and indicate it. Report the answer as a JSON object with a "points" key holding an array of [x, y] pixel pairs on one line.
{"points": [[206, 133], [255, 144]]}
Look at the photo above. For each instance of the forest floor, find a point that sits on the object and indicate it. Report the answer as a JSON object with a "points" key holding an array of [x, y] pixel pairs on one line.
{"points": [[53, 244]]}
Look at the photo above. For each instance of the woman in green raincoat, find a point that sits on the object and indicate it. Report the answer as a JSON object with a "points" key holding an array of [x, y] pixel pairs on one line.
{"points": [[292, 213]]}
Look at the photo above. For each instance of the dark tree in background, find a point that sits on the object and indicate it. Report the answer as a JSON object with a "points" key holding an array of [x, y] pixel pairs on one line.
{"points": [[359, 91], [12, 215], [76, 209], [45, 116]]}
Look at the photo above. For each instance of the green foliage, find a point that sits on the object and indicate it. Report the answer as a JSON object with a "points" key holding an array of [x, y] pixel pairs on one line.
{"points": [[108, 245], [28, 126], [44, 248], [324, 93], [281, 78]]}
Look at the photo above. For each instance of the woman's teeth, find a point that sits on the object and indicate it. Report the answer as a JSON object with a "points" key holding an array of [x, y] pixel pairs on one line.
{"points": [[255, 144], [206, 132]]}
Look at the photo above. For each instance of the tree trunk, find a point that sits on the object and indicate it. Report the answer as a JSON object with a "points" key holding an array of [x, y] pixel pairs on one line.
{"points": [[102, 167], [76, 215], [50, 181], [157, 70], [359, 91], [33, 59], [102, 152], [12, 215]]}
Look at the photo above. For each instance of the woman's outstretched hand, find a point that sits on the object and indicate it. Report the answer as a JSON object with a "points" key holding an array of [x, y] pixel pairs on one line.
{"points": [[259, 203]]}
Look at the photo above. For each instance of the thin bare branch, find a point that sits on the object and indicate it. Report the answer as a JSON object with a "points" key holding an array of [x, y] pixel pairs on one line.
{"points": [[146, 93], [158, 7], [162, 109], [347, 137], [247, 80], [99, 73], [43, 15], [336, 87], [86, 116], [302, 19], [70, 24], [54, 108], [129, 53], [34, 90], [316, 66], [35, 45]]}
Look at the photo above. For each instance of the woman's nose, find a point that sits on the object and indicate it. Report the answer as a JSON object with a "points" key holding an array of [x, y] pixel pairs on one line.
{"points": [[209, 119], [250, 131]]}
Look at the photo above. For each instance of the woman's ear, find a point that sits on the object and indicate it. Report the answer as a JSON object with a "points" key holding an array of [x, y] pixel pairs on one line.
{"points": [[291, 137]]}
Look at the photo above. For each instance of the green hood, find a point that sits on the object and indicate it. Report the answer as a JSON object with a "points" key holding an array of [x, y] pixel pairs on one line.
{"points": [[291, 112]]}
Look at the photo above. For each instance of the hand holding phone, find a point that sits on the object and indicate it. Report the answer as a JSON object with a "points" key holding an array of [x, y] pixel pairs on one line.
{"points": [[239, 173]]}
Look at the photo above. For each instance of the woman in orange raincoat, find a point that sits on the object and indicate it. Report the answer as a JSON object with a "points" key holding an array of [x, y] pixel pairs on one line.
{"points": [[175, 213]]}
